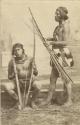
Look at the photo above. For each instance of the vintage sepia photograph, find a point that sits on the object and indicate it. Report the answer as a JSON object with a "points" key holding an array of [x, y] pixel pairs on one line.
{"points": [[39, 62]]}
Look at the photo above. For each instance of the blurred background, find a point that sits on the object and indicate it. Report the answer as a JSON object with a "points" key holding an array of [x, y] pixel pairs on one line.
{"points": [[16, 27]]}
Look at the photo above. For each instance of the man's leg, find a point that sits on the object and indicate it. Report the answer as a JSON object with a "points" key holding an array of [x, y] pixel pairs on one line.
{"points": [[9, 87], [69, 92], [51, 92], [35, 93], [53, 80], [13, 94]]}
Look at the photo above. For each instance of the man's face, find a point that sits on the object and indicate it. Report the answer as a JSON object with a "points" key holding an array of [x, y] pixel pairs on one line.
{"points": [[57, 16], [18, 52]]}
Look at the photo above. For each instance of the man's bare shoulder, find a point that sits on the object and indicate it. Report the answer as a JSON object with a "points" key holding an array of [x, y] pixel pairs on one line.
{"points": [[67, 24], [11, 61]]}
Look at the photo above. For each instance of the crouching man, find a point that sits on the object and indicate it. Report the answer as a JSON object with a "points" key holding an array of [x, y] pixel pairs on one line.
{"points": [[24, 67]]}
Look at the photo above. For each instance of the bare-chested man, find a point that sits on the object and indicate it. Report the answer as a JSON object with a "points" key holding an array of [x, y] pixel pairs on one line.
{"points": [[59, 42]]}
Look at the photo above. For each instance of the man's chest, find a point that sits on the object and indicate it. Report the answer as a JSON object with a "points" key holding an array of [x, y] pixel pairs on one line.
{"points": [[23, 66], [60, 33]]}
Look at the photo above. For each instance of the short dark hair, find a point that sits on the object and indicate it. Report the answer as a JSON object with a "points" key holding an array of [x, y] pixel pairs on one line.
{"points": [[15, 46], [63, 12]]}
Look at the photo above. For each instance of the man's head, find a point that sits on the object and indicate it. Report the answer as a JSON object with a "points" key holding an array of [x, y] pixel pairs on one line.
{"points": [[17, 50], [61, 14]]}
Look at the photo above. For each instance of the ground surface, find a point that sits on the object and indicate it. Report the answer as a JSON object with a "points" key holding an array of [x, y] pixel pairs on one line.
{"points": [[51, 115]]}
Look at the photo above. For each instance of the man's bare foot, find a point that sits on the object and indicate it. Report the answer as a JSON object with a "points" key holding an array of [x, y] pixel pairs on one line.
{"points": [[34, 106], [68, 103], [27, 108], [44, 104]]}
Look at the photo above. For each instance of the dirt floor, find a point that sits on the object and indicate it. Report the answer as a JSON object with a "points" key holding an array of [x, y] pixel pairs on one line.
{"points": [[51, 115]]}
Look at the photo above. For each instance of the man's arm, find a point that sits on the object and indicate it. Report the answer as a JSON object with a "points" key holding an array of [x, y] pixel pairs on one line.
{"points": [[66, 31], [66, 36], [52, 42], [11, 74], [35, 71], [58, 43]]}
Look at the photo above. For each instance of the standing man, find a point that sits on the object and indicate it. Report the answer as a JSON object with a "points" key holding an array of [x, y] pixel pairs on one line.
{"points": [[23, 66], [59, 41]]}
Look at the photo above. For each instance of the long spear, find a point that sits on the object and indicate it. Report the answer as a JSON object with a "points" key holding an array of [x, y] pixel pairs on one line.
{"points": [[30, 83], [17, 82]]}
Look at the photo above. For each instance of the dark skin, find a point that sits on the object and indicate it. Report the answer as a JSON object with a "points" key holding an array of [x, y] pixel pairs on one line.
{"points": [[61, 21], [60, 37]]}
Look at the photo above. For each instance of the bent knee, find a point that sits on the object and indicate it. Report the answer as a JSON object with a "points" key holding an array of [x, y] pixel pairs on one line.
{"points": [[8, 86]]}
